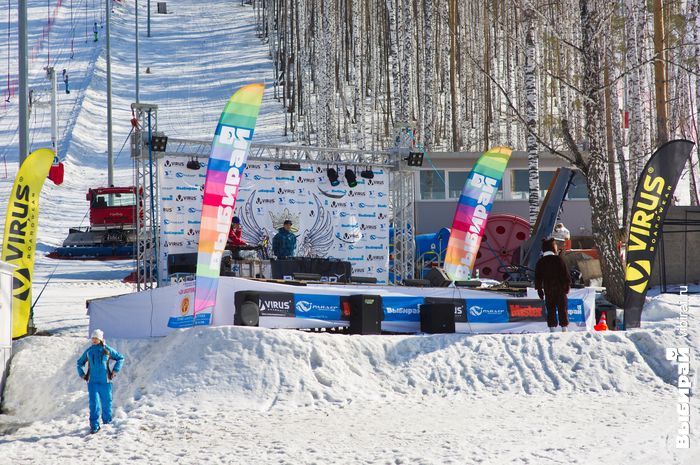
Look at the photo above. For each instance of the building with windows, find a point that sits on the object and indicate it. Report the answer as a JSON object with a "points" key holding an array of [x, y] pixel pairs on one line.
{"points": [[440, 180]]}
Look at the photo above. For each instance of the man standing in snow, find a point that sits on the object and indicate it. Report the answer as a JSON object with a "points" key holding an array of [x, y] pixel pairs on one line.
{"points": [[285, 242], [94, 31], [65, 80], [552, 282], [99, 378]]}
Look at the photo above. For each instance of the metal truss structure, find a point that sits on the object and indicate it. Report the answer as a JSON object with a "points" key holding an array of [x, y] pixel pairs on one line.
{"points": [[401, 187], [146, 181]]}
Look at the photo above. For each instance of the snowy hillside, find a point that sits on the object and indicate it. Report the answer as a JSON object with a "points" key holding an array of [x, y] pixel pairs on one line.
{"points": [[254, 396]]}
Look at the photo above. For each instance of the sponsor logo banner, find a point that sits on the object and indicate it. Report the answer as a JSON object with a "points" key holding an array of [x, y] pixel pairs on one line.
{"points": [[651, 201], [322, 307], [576, 312], [202, 319], [276, 304], [402, 308], [526, 310], [487, 311]]}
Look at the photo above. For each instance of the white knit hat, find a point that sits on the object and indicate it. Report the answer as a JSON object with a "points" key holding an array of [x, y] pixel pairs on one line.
{"points": [[98, 334]]}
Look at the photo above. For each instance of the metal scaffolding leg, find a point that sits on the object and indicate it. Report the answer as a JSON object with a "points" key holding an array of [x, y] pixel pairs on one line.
{"points": [[146, 182], [402, 198]]}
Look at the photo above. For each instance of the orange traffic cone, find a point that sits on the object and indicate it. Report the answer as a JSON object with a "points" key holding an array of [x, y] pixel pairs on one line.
{"points": [[602, 324]]}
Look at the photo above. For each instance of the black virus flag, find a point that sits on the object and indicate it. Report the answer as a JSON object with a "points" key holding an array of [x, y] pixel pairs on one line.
{"points": [[651, 201]]}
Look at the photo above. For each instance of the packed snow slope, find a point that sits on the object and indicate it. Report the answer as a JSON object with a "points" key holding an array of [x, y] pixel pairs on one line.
{"points": [[254, 396], [249, 395]]}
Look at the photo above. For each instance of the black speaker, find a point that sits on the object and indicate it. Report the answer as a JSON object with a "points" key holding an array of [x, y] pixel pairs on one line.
{"points": [[306, 276], [438, 278], [437, 318], [470, 283], [363, 280], [182, 263], [247, 311], [366, 314], [416, 282]]}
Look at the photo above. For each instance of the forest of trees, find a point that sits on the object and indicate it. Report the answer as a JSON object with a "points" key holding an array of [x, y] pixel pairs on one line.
{"points": [[599, 83]]}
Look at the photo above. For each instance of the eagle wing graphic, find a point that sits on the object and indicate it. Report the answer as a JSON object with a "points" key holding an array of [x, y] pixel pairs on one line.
{"points": [[319, 238]]}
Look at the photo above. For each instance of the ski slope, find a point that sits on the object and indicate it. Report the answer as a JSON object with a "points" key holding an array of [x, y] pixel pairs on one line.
{"points": [[255, 396]]}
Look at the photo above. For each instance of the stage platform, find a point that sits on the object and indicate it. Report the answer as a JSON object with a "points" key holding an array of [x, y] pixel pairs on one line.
{"points": [[157, 312]]}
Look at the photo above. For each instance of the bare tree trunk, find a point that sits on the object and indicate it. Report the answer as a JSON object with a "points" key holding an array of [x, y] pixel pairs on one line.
{"points": [[634, 98], [660, 84], [531, 103], [429, 74], [604, 214]]}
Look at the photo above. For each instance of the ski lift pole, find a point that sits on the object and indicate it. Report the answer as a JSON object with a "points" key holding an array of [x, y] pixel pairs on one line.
{"points": [[23, 88], [110, 148]]}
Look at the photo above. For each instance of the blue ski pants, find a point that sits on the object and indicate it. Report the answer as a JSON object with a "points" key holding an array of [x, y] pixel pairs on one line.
{"points": [[100, 395]]}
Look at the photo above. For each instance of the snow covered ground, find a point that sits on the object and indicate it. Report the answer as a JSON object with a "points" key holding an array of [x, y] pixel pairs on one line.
{"points": [[254, 396]]}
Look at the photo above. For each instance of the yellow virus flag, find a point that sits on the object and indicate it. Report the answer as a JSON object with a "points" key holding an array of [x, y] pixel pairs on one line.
{"points": [[19, 242]]}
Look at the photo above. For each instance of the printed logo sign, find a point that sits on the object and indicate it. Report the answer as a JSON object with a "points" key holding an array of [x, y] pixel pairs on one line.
{"points": [[527, 310], [322, 307], [487, 311], [576, 313], [460, 306], [276, 304], [402, 308]]}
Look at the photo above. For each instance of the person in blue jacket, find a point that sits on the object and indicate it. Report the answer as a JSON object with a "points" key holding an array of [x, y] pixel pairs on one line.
{"points": [[99, 377], [285, 242]]}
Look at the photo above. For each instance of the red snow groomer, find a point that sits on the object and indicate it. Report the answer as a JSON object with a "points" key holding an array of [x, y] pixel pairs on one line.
{"points": [[112, 230]]}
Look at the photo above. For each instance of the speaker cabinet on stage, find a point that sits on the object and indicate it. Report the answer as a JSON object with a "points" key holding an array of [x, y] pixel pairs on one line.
{"points": [[247, 308], [366, 314], [438, 278], [437, 318]]}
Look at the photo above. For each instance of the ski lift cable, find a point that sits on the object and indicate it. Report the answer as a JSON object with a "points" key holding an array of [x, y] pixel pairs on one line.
{"points": [[31, 309], [9, 46]]}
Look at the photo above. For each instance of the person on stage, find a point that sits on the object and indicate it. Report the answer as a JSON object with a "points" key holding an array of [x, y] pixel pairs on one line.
{"points": [[235, 235], [552, 282], [284, 243]]}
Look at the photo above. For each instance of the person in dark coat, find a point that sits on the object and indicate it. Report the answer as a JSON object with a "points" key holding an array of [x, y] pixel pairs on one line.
{"points": [[99, 378], [553, 283], [284, 243]]}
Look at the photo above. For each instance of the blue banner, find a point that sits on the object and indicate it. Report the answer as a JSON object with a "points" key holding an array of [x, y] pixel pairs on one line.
{"points": [[576, 313], [321, 307], [402, 308], [202, 319], [487, 310]]}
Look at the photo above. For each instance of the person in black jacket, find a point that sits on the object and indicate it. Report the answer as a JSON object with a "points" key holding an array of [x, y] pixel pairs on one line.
{"points": [[552, 283]]}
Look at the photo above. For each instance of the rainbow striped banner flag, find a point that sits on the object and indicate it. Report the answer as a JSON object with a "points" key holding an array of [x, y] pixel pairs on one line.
{"points": [[472, 212], [229, 152]]}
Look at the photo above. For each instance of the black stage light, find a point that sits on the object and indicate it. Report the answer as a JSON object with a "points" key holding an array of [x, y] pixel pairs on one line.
{"points": [[332, 176], [367, 174], [350, 177], [159, 143], [290, 167], [194, 164], [415, 159]]}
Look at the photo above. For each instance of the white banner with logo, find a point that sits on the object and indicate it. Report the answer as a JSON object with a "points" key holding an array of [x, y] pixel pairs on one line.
{"points": [[180, 208], [350, 224]]}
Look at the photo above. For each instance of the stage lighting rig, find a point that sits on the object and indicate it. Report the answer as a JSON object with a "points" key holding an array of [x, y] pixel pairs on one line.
{"points": [[350, 177], [332, 174], [367, 174], [414, 159]]}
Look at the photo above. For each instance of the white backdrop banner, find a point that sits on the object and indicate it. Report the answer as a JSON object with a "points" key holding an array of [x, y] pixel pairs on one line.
{"points": [[340, 222]]}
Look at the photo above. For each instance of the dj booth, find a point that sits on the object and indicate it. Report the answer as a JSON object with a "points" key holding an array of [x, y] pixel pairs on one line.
{"points": [[325, 269]]}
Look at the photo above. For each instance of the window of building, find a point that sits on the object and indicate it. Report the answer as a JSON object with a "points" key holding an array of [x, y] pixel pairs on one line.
{"points": [[432, 184], [520, 180], [578, 188], [456, 180]]}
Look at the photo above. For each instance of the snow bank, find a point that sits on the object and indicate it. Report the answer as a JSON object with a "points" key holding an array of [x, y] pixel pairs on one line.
{"points": [[263, 369]]}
